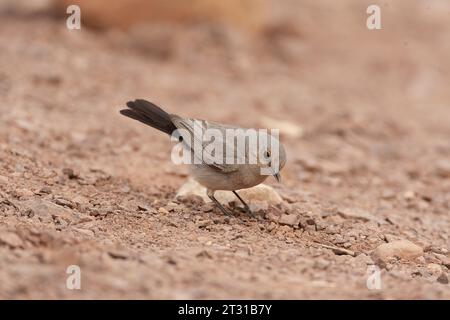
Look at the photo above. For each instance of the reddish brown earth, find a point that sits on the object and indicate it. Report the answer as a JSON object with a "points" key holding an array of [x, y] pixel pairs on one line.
{"points": [[81, 185]]}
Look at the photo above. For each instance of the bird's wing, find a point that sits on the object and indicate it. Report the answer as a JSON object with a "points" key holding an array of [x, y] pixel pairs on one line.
{"points": [[195, 136]]}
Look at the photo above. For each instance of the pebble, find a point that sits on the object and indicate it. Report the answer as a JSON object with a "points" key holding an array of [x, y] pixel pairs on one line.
{"points": [[203, 223], [338, 239], [331, 229], [70, 173], [289, 219], [142, 207], [204, 254], [271, 226], [172, 206], [339, 251], [347, 245], [434, 268], [443, 259], [409, 195], [45, 190], [46, 211], [64, 202], [391, 237], [119, 254], [442, 279], [421, 260], [163, 210], [403, 249]]}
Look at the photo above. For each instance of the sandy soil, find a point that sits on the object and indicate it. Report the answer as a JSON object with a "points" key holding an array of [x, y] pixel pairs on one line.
{"points": [[81, 185]]}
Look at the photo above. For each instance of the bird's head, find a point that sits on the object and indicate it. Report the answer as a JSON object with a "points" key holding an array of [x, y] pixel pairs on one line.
{"points": [[272, 157]]}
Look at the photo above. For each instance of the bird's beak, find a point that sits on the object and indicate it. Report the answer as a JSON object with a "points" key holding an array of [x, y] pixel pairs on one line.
{"points": [[278, 177]]}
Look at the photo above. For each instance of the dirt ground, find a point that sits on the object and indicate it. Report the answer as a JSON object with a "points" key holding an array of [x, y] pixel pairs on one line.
{"points": [[367, 133]]}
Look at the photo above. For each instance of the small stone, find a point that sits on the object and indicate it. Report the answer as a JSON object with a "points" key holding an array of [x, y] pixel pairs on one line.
{"points": [[403, 249], [10, 239], [163, 210], [203, 223], [391, 237], [320, 225], [347, 245], [409, 195], [338, 239], [289, 219], [47, 211], [331, 229], [3, 180], [69, 173], [271, 226], [64, 202], [443, 259], [118, 254], [434, 268], [142, 207], [204, 254], [172, 206], [389, 266], [421, 260], [45, 190], [442, 279], [338, 251]]}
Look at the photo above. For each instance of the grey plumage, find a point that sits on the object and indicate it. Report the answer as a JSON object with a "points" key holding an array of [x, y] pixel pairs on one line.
{"points": [[214, 175]]}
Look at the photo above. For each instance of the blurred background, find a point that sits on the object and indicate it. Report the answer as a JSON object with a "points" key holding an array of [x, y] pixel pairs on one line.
{"points": [[364, 115], [259, 63]]}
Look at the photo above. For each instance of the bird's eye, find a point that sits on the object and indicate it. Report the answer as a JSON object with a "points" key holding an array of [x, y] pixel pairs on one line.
{"points": [[267, 154]]}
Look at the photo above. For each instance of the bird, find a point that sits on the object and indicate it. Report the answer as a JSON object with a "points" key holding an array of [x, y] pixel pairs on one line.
{"points": [[236, 171]]}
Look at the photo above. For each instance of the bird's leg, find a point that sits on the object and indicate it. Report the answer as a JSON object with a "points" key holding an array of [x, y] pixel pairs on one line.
{"points": [[246, 207], [210, 194]]}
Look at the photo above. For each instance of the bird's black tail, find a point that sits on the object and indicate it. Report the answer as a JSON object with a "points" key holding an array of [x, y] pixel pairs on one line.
{"points": [[150, 114]]}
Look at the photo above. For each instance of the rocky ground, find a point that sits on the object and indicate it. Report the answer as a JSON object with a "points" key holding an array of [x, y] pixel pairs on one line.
{"points": [[364, 116]]}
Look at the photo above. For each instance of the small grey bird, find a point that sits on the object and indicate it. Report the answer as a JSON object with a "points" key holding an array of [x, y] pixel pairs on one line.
{"points": [[239, 173]]}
